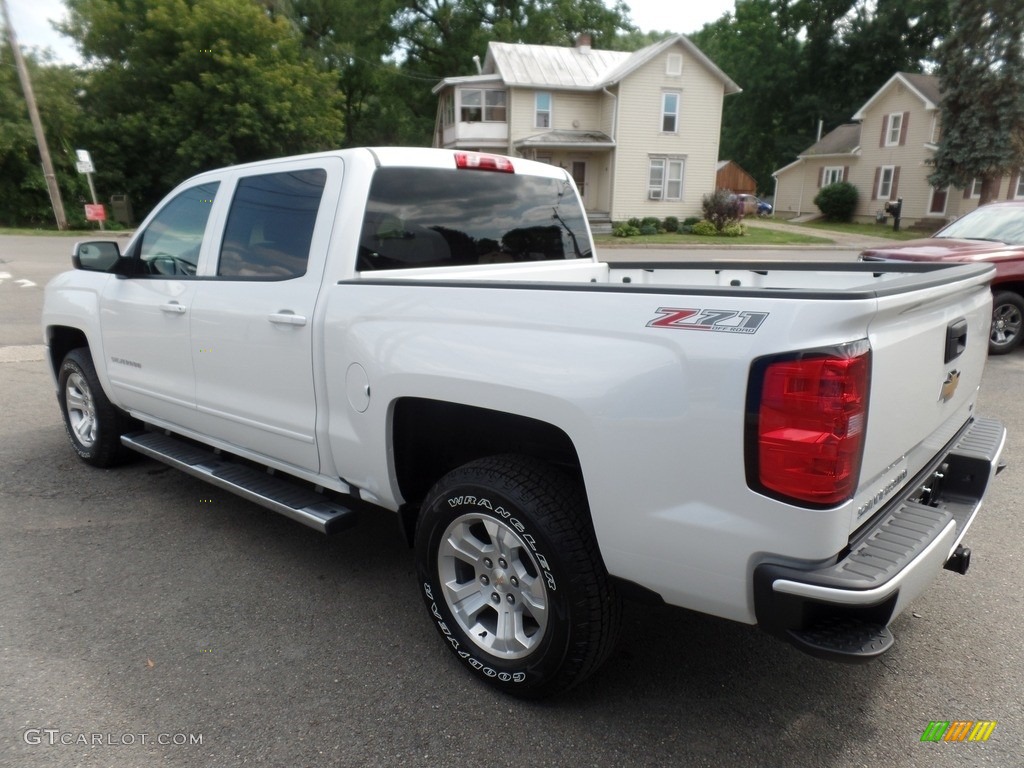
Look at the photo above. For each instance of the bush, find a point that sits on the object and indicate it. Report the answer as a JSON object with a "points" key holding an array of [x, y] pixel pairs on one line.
{"points": [[650, 221], [634, 222], [704, 228], [671, 224], [689, 221], [686, 229], [708, 229], [649, 229], [720, 209], [625, 230], [837, 202]]}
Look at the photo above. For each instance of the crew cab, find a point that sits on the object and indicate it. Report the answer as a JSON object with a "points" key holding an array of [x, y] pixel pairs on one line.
{"points": [[430, 333]]}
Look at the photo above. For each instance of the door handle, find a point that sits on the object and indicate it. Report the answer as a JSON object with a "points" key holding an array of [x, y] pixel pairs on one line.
{"points": [[173, 308], [287, 317]]}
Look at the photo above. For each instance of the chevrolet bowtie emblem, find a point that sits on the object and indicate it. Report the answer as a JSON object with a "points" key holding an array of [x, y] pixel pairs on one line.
{"points": [[949, 386]]}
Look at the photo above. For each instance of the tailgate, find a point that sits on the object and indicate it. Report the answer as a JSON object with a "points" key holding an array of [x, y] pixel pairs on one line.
{"points": [[929, 349]]}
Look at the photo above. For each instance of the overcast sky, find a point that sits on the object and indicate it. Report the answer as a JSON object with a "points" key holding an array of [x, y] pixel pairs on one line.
{"points": [[31, 19]]}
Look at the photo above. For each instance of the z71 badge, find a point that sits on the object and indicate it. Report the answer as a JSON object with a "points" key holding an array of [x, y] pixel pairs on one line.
{"points": [[721, 320]]}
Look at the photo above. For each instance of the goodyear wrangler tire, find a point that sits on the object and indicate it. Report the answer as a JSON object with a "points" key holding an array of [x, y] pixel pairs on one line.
{"points": [[93, 423], [510, 571]]}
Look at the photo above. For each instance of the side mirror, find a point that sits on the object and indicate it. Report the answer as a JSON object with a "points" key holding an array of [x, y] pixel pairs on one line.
{"points": [[96, 256]]}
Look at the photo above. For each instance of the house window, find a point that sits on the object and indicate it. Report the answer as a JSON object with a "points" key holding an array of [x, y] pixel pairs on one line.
{"points": [[670, 112], [892, 134], [482, 106], [494, 107], [832, 174], [665, 179], [1018, 191], [976, 187], [885, 179], [542, 110], [448, 108], [674, 65]]}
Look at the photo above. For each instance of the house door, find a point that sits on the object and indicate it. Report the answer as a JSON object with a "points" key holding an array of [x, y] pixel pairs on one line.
{"points": [[579, 175], [938, 206]]}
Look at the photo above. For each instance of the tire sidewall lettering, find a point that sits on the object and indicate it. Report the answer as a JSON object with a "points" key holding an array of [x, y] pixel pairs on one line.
{"points": [[475, 503]]}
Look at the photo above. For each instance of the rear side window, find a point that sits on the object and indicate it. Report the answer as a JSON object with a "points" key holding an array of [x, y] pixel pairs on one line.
{"points": [[270, 225], [428, 217]]}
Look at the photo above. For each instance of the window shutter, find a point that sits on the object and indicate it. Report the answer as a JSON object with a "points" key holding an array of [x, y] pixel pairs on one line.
{"points": [[903, 128], [885, 130], [967, 190], [821, 176], [846, 172], [1012, 189], [895, 183], [874, 187]]}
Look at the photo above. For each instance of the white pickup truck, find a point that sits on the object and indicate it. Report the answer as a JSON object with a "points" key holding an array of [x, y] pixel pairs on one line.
{"points": [[429, 332]]}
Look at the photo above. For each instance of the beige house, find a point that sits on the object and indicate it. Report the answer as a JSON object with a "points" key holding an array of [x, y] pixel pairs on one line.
{"points": [[638, 131], [887, 154]]}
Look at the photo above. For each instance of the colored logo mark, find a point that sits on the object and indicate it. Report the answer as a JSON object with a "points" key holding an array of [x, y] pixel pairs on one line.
{"points": [[959, 730]]}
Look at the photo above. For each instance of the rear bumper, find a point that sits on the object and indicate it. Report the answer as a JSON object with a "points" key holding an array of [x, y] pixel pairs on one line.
{"points": [[841, 611]]}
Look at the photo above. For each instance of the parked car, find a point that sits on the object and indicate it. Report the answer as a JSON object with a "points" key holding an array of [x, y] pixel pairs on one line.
{"points": [[764, 208], [746, 205], [992, 233]]}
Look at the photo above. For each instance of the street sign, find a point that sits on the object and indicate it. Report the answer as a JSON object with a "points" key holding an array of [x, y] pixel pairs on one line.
{"points": [[85, 167], [95, 213]]}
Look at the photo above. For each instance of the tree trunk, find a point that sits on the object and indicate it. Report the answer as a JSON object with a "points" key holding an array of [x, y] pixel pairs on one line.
{"points": [[989, 189]]}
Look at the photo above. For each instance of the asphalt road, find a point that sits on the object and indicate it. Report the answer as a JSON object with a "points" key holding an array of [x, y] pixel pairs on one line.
{"points": [[149, 619]]}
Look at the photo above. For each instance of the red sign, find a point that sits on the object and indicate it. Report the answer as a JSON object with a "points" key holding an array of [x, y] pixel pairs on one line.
{"points": [[95, 213]]}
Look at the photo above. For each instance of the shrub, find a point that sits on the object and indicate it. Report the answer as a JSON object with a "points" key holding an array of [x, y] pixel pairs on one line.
{"points": [[649, 229], [837, 202], [686, 229], [689, 221], [704, 228], [634, 222], [650, 221], [733, 230], [720, 209], [625, 230], [671, 224]]}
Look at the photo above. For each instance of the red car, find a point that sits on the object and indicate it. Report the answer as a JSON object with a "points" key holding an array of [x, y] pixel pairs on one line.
{"points": [[992, 233]]}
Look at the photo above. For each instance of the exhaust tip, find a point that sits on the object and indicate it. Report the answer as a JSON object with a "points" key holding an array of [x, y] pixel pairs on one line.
{"points": [[959, 561]]}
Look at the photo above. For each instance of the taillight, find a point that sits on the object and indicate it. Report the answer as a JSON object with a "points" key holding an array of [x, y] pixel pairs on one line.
{"points": [[806, 419], [481, 162]]}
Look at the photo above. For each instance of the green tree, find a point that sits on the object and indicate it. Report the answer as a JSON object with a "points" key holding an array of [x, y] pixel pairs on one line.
{"points": [[353, 40], [809, 61], [24, 200], [180, 86], [981, 68], [760, 49]]}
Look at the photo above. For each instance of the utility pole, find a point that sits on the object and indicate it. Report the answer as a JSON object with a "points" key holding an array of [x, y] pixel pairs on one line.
{"points": [[37, 124]]}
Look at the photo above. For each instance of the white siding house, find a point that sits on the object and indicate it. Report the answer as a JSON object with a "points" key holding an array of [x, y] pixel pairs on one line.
{"points": [[638, 131]]}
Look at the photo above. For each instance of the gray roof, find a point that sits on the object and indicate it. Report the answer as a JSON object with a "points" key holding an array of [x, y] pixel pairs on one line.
{"points": [[550, 66], [581, 68], [839, 141]]}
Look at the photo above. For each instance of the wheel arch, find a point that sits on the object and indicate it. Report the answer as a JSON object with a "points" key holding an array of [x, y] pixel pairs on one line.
{"points": [[61, 339], [429, 438]]}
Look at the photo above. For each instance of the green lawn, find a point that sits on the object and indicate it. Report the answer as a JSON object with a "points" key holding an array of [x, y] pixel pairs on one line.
{"points": [[755, 236], [873, 230]]}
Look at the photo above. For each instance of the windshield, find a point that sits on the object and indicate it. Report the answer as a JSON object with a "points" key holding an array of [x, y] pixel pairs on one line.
{"points": [[999, 223], [425, 217]]}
